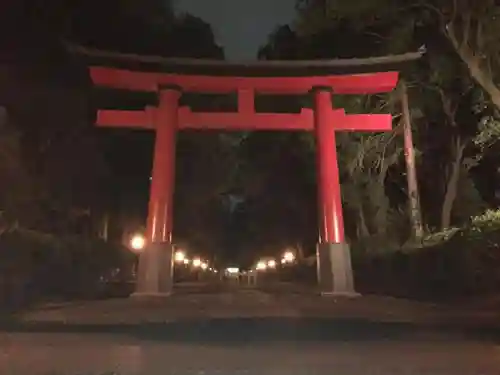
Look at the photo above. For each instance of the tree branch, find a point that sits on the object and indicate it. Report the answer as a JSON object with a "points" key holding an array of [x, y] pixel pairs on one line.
{"points": [[466, 34], [473, 63], [479, 37]]}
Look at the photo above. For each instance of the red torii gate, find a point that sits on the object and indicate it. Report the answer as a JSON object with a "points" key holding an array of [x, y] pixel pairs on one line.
{"points": [[333, 255]]}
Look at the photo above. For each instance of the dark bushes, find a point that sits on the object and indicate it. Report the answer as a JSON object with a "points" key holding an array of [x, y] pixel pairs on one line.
{"points": [[465, 264], [459, 262], [36, 266]]}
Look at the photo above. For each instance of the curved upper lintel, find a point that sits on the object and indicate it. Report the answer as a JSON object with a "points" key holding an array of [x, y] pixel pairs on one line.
{"points": [[245, 69], [368, 83]]}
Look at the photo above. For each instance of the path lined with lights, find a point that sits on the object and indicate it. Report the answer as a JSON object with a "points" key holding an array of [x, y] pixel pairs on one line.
{"points": [[269, 263]]}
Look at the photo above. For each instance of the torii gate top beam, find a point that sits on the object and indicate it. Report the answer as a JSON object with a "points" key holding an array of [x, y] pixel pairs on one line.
{"points": [[368, 83], [258, 68], [147, 73], [342, 76]]}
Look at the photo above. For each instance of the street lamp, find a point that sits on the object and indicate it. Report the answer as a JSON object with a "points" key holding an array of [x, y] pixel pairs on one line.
{"points": [[288, 257], [204, 266], [271, 263], [196, 263], [138, 242], [261, 266], [180, 256]]}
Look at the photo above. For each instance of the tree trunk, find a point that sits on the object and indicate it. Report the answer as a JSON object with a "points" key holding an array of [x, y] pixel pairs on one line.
{"points": [[105, 227], [379, 199], [381, 205], [363, 231], [411, 172], [452, 184]]}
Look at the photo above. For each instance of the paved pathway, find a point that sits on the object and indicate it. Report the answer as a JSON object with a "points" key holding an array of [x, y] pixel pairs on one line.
{"points": [[206, 301], [100, 354], [229, 331]]}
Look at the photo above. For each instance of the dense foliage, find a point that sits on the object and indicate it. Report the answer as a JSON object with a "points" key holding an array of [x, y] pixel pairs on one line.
{"points": [[460, 262], [35, 266], [453, 115], [58, 173]]}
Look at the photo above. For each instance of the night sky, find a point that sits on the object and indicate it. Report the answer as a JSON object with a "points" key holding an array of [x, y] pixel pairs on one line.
{"points": [[241, 26]]}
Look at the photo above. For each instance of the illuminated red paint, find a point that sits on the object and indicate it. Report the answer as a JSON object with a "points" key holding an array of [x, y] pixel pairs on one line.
{"points": [[331, 220], [246, 121], [369, 83], [125, 119], [362, 123], [168, 118], [160, 213], [246, 101]]}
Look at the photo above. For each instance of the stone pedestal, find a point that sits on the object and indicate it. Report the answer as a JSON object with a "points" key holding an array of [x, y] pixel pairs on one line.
{"points": [[155, 274], [335, 275]]}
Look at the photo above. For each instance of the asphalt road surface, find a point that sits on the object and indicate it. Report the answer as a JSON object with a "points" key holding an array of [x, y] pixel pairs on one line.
{"points": [[238, 331]]}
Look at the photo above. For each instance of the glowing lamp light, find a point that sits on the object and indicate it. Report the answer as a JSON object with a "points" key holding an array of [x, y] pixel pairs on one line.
{"points": [[261, 266], [204, 266], [289, 257], [185, 261], [232, 270], [196, 263], [179, 256], [271, 263], [138, 242]]}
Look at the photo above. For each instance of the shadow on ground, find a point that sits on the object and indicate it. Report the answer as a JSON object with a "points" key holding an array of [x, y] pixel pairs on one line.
{"points": [[247, 331]]}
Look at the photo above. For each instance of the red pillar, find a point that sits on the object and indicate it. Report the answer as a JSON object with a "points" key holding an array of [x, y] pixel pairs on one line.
{"points": [[159, 225], [333, 255], [331, 221], [155, 264]]}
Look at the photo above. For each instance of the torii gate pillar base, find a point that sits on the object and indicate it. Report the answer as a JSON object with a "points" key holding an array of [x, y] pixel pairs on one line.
{"points": [[155, 276], [335, 275]]}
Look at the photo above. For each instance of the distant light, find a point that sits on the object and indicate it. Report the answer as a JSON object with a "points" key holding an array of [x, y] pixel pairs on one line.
{"points": [[186, 261], [180, 256], [289, 257], [204, 266], [271, 263], [261, 266], [138, 242], [197, 262], [232, 270]]}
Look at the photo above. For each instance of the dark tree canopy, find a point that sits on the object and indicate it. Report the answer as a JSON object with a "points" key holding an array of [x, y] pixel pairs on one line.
{"points": [[73, 164]]}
